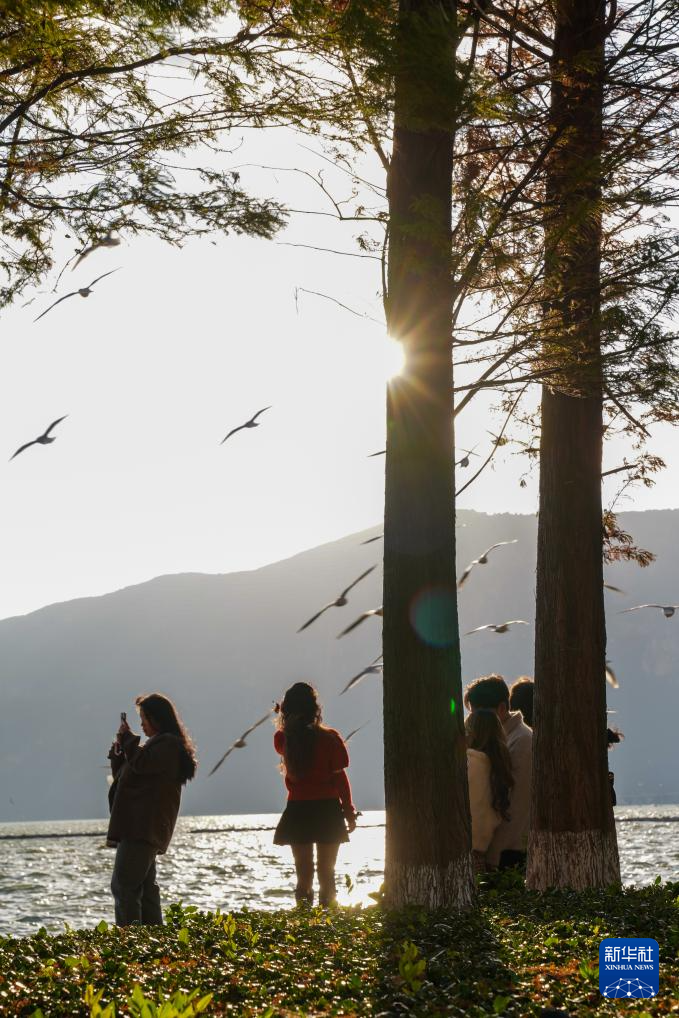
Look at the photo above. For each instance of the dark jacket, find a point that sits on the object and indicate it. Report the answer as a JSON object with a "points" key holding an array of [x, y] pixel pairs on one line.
{"points": [[146, 791]]}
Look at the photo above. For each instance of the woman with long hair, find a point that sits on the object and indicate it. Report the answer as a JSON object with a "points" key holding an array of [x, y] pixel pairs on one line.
{"points": [[319, 808], [144, 799], [489, 772]]}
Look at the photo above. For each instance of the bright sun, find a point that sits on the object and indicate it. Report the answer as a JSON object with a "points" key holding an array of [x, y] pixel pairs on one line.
{"points": [[393, 357]]}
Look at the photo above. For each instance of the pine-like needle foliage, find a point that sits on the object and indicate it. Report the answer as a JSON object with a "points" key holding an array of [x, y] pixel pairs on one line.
{"points": [[105, 107]]}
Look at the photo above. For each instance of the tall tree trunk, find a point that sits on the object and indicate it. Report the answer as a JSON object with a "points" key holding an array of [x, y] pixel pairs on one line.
{"points": [[428, 859], [572, 841]]}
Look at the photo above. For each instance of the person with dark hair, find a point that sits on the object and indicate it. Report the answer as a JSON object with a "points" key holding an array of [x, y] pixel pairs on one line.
{"points": [[489, 772], [490, 691], [613, 737], [319, 808], [510, 841], [144, 799], [521, 697]]}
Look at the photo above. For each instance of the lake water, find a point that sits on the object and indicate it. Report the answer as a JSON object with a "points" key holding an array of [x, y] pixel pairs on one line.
{"points": [[229, 862]]}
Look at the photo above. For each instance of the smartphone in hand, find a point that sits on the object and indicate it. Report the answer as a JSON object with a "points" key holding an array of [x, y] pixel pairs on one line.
{"points": [[123, 721]]}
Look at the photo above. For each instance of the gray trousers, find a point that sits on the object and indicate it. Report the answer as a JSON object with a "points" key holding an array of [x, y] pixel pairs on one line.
{"points": [[133, 885]]}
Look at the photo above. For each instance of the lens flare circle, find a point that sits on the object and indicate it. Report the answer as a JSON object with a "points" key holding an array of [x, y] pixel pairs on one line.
{"points": [[433, 613]]}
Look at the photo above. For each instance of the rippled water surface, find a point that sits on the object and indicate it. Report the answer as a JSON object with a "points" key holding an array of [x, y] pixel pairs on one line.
{"points": [[230, 862]]}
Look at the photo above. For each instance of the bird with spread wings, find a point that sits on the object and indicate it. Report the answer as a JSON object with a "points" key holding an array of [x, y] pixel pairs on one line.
{"points": [[44, 439], [668, 610], [361, 618], [464, 462], [339, 601], [500, 627], [240, 742], [84, 291], [252, 423], [482, 560], [108, 240], [355, 731], [372, 669]]}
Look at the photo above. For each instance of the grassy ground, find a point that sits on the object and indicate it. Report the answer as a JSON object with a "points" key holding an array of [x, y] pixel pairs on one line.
{"points": [[520, 952]]}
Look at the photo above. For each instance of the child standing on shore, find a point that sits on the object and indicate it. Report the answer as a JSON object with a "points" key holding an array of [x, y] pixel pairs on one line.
{"points": [[319, 808]]}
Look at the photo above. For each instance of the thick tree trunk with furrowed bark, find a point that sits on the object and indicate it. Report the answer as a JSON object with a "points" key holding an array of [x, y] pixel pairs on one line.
{"points": [[428, 857], [572, 841]]}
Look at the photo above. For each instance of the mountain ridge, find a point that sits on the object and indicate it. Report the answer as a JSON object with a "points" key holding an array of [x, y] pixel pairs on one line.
{"points": [[224, 646]]}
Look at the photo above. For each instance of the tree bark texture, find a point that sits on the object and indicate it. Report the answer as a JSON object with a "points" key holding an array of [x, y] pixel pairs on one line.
{"points": [[428, 849], [572, 841]]}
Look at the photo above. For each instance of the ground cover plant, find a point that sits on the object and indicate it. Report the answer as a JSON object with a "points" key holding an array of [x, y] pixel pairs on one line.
{"points": [[518, 953]]}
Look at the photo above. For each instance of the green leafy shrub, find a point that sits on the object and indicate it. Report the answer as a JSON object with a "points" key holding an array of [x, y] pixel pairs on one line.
{"points": [[516, 954]]}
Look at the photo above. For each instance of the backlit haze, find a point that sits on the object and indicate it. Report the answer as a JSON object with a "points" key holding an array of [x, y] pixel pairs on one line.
{"points": [[169, 354]]}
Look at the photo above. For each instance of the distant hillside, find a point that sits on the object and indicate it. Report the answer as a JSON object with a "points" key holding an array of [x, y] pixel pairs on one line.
{"points": [[226, 646]]}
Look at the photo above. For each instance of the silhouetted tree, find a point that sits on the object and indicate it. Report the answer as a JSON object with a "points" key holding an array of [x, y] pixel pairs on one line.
{"points": [[428, 858], [572, 841]]}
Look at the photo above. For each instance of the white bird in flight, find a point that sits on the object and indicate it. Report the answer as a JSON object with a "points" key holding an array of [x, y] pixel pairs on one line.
{"points": [[668, 610], [482, 560], [240, 742], [372, 669], [84, 291], [355, 731], [499, 628], [252, 423], [108, 240], [339, 601], [44, 439], [611, 679], [361, 618]]}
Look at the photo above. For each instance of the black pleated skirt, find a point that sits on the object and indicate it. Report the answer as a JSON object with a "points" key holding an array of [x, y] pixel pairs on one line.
{"points": [[311, 822]]}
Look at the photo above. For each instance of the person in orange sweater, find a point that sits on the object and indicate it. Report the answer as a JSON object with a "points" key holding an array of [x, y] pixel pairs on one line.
{"points": [[319, 809]]}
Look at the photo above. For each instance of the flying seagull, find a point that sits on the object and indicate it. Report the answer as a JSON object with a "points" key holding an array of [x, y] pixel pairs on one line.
{"points": [[252, 423], [611, 679], [371, 539], [372, 669], [355, 731], [108, 240], [44, 439], [240, 742], [500, 628], [668, 610], [339, 601], [482, 560], [361, 618], [464, 462], [84, 291]]}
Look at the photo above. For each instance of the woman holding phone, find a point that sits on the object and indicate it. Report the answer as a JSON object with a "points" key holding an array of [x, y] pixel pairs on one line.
{"points": [[147, 784]]}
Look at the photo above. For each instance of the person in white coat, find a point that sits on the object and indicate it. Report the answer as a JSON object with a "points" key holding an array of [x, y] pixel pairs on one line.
{"points": [[509, 844], [489, 773]]}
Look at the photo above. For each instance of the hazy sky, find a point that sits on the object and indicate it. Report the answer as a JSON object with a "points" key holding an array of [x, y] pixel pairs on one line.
{"points": [[169, 354]]}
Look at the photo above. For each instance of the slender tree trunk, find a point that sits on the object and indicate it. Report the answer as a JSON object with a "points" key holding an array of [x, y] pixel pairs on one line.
{"points": [[572, 841], [428, 859]]}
